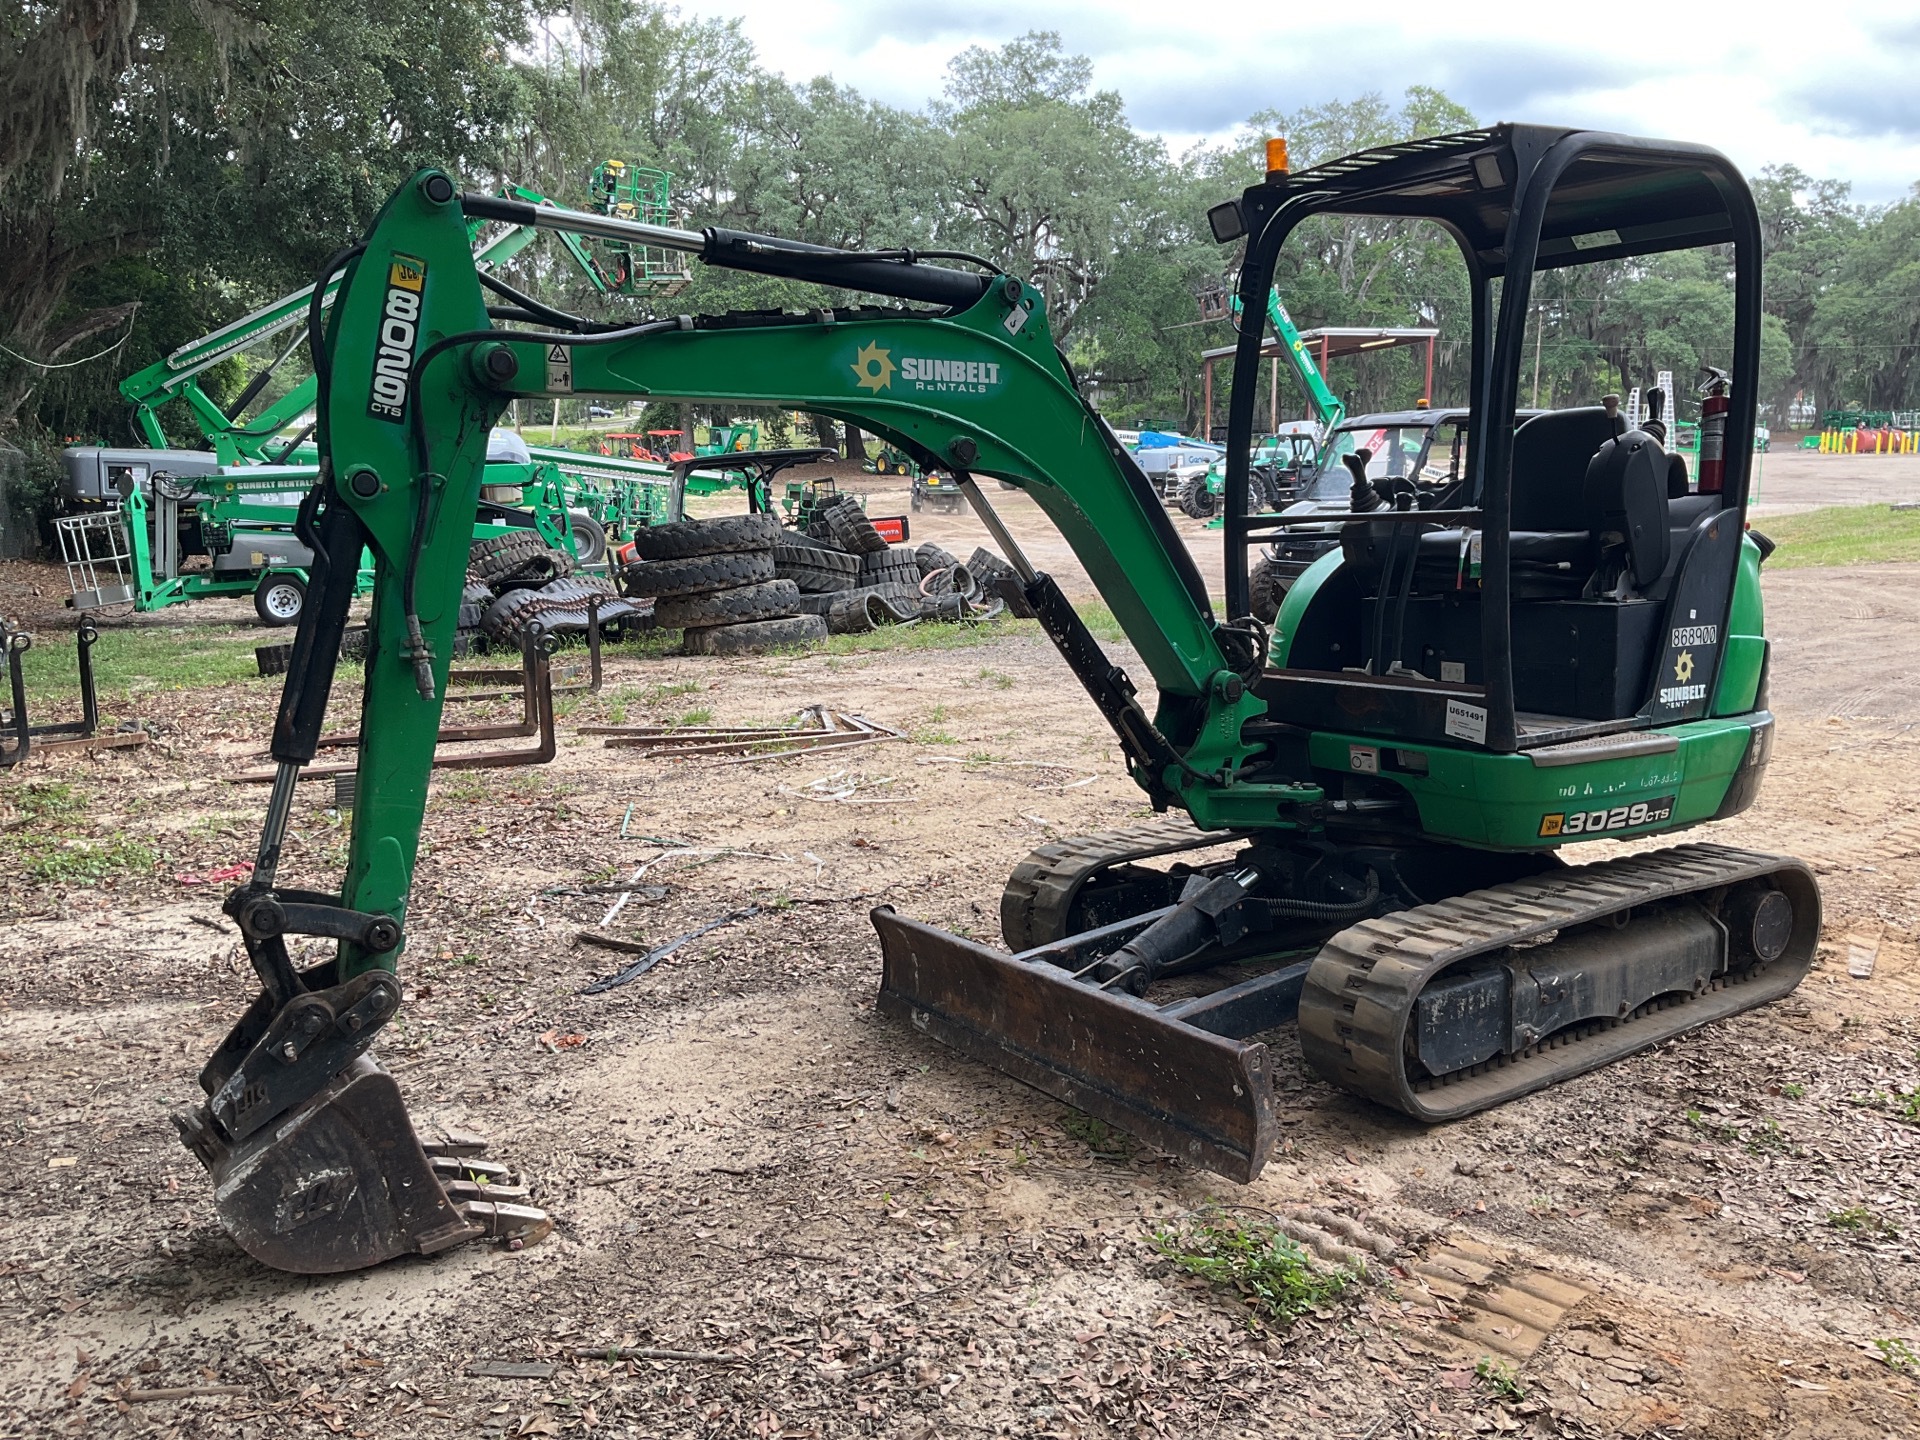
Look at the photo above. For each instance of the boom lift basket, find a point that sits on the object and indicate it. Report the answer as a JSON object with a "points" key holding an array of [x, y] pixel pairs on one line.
{"points": [[98, 554]]}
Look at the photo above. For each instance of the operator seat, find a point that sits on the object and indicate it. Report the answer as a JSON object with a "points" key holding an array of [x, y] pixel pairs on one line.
{"points": [[1552, 540], [1624, 493], [1550, 457], [1552, 547]]}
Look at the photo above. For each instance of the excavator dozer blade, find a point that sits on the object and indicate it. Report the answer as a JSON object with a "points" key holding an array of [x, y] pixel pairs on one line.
{"points": [[342, 1182], [1203, 1097]]}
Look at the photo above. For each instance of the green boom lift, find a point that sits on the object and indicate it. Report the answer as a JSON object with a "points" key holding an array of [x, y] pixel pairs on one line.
{"points": [[1276, 453], [1396, 768]]}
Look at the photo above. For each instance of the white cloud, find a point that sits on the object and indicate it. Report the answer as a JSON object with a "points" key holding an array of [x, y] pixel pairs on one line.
{"points": [[1832, 92]]}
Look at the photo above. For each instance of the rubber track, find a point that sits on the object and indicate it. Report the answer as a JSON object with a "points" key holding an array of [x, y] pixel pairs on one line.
{"points": [[1040, 894], [1361, 990]]}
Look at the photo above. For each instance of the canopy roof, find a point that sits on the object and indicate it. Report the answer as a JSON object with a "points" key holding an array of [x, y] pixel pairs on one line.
{"points": [[1624, 196]]}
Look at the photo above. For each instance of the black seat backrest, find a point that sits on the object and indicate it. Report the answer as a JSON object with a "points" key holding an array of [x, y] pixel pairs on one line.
{"points": [[1550, 455], [1625, 495]]}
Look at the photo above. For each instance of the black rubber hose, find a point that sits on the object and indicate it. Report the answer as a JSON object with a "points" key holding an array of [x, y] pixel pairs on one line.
{"points": [[316, 335], [1324, 910]]}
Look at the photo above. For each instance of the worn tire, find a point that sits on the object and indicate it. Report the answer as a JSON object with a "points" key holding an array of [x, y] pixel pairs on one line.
{"points": [[724, 535], [931, 557], [589, 537], [823, 604], [768, 600], [849, 528], [814, 569], [524, 541], [520, 564], [755, 636], [1194, 499], [893, 560], [1267, 587], [666, 578]]}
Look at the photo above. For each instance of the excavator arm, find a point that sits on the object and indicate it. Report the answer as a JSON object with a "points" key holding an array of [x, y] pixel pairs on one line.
{"points": [[410, 378]]}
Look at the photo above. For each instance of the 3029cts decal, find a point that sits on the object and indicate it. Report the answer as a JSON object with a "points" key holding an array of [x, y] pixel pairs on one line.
{"points": [[1595, 822]]}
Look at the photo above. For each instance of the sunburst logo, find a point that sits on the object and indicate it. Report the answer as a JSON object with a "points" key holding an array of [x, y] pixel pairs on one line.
{"points": [[1683, 667], [873, 368]]}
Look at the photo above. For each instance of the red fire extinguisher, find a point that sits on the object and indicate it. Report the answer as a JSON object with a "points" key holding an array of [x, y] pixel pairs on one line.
{"points": [[1713, 429]]}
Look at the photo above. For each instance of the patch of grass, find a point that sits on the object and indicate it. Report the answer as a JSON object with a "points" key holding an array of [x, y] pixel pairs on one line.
{"points": [[655, 694], [1794, 1091], [1275, 1277], [1843, 535], [1098, 1136], [1903, 1105], [42, 847], [1896, 1354], [1766, 1136], [693, 718], [1863, 1221], [999, 680], [137, 660], [1501, 1378], [928, 635], [69, 860], [45, 801], [467, 789]]}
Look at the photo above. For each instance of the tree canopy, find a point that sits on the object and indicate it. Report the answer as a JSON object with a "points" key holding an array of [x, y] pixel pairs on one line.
{"points": [[165, 167]]}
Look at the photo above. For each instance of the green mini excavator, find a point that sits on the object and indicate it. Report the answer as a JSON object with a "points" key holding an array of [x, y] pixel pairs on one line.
{"points": [[1364, 811]]}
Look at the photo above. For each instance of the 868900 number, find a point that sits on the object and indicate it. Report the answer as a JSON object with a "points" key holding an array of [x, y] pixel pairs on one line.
{"points": [[1617, 817]]}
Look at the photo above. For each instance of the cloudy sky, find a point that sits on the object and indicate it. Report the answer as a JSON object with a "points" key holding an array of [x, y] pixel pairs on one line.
{"points": [[1833, 87]]}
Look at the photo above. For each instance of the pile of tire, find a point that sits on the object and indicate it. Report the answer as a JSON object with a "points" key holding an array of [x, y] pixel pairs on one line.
{"points": [[998, 580], [516, 579], [717, 581], [882, 585], [564, 604], [840, 522]]}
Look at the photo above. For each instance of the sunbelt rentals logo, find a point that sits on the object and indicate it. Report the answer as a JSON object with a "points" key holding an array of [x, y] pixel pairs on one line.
{"points": [[875, 369], [1683, 691], [399, 333]]}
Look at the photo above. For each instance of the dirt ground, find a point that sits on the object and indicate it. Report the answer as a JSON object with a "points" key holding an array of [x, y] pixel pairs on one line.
{"points": [[880, 1237]]}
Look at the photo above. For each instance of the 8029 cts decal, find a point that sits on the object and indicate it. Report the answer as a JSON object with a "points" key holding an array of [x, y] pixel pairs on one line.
{"points": [[1619, 817]]}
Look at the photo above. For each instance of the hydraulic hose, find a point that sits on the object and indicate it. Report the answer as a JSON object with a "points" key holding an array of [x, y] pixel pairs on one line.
{"points": [[1323, 909]]}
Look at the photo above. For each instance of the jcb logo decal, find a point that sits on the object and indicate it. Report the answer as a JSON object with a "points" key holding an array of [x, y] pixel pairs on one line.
{"points": [[399, 332]]}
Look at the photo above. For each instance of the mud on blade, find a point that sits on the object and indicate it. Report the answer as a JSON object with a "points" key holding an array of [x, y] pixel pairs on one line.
{"points": [[1203, 1097]]}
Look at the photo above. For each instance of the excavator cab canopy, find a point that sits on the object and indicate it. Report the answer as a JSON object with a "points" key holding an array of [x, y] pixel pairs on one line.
{"points": [[1557, 564]]}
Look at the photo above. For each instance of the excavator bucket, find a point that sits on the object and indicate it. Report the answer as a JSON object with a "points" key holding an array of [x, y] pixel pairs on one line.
{"points": [[341, 1182], [1148, 1070]]}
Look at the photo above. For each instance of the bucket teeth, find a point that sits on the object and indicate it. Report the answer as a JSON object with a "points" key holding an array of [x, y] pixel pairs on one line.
{"points": [[518, 1225], [462, 1190], [453, 1144]]}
